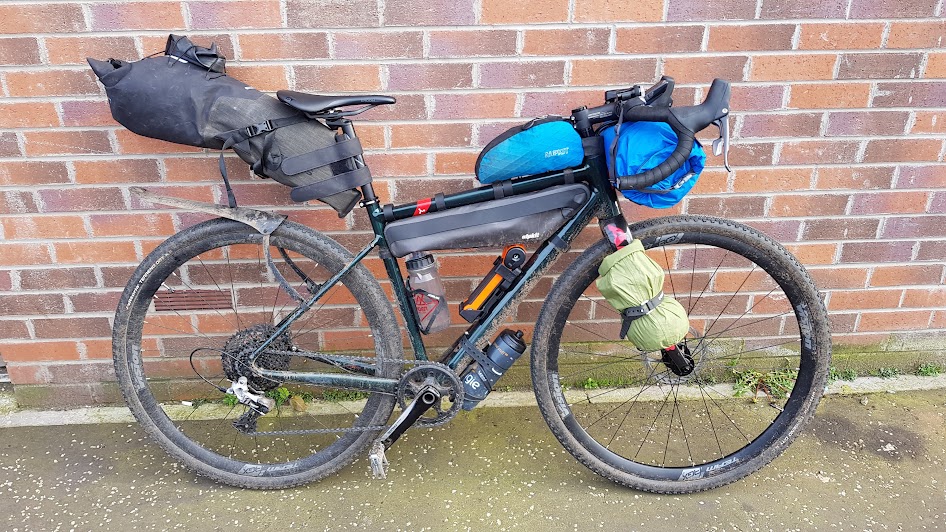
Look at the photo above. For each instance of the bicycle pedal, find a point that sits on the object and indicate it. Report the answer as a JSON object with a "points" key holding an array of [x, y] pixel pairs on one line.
{"points": [[378, 460]]}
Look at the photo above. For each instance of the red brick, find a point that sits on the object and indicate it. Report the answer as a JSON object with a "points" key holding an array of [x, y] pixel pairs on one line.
{"points": [[9, 145], [755, 154], [491, 43], [906, 274], [427, 76], [901, 150], [14, 115], [117, 171], [95, 301], [261, 77], [612, 71], [813, 254], [33, 173], [597, 11], [133, 144], [914, 226], [13, 329], [16, 202], [429, 13], [888, 202], [67, 142], [931, 297], [523, 74], [834, 277], [938, 203], [73, 327], [332, 14], [231, 14], [487, 132], [789, 9], [271, 46], [916, 34], [137, 16], [840, 229], [772, 180], [474, 105], [885, 65], [864, 299], [39, 350], [861, 123], [582, 41], [24, 304], [96, 252], [504, 12], [935, 66], [780, 125], [833, 96], [780, 230], [75, 50], [843, 36], [455, 163], [750, 38], [659, 40], [51, 83], [929, 122], [559, 103], [818, 152], [860, 178], [766, 98], [884, 9], [795, 205], [701, 11], [59, 278], [19, 51], [939, 320], [85, 113], [45, 227], [923, 176], [910, 94], [728, 207], [705, 69], [431, 135], [41, 18], [793, 67], [408, 107], [386, 45], [105, 225], [397, 164], [16, 254], [932, 250], [876, 251], [894, 320], [82, 199]]}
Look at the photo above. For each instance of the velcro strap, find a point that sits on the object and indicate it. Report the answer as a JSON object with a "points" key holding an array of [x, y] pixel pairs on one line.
{"points": [[333, 185], [440, 202], [632, 313], [339, 151]]}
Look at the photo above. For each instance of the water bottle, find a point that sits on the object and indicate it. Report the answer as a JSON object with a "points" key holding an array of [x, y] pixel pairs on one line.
{"points": [[478, 381], [427, 293]]}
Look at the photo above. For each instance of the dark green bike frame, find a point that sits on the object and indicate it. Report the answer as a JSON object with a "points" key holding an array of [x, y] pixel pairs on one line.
{"points": [[601, 203]]}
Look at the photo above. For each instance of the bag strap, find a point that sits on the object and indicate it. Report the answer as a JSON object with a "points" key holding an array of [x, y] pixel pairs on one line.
{"points": [[632, 313], [341, 150]]}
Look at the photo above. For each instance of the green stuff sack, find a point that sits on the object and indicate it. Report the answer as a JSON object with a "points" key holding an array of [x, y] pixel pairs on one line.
{"points": [[633, 284]]}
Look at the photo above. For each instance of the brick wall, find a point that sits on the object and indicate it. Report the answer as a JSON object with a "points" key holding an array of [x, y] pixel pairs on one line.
{"points": [[839, 119]]}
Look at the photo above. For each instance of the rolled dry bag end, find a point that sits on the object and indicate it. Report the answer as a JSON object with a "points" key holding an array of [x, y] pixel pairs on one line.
{"points": [[632, 283]]}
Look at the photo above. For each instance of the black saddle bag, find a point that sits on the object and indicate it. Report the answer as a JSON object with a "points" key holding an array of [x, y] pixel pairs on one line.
{"points": [[186, 97]]}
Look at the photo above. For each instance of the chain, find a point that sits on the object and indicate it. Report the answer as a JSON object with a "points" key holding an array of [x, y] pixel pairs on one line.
{"points": [[372, 428]]}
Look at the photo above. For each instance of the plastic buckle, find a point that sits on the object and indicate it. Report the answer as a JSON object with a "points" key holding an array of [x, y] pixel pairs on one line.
{"points": [[258, 129]]}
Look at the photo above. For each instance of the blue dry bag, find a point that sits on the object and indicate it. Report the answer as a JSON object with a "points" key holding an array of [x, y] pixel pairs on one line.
{"points": [[542, 145], [644, 145]]}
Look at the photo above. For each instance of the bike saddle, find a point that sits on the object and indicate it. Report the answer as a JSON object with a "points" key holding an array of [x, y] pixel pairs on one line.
{"points": [[320, 103]]}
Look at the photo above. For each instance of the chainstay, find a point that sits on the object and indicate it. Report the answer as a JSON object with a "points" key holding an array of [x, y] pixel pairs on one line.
{"points": [[303, 432]]}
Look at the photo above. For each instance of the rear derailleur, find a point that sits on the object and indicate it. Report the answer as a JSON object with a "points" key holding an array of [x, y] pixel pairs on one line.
{"points": [[258, 405]]}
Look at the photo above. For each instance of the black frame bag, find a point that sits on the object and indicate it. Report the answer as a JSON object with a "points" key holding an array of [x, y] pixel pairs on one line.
{"points": [[186, 97]]}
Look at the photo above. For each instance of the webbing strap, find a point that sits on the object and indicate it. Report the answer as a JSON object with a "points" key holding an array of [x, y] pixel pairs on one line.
{"points": [[632, 313], [333, 185], [339, 151]]}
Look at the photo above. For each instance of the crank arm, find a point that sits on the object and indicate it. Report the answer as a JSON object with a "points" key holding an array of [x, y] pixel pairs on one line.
{"points": [[425, 400]]}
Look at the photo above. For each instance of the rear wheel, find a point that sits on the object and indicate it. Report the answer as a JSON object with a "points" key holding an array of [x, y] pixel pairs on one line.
{"points": [[757, 357], [205, 299]]}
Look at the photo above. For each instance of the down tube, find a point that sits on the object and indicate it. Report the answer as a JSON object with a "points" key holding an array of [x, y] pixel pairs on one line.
{"points": [[544, 257]]}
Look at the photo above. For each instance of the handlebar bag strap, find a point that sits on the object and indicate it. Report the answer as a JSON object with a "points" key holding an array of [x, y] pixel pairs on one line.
{"points": [[545, 144], [641, 146], [632, 283]]}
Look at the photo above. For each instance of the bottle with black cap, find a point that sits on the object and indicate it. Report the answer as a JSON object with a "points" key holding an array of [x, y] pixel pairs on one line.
{"points": [[479, 379]]}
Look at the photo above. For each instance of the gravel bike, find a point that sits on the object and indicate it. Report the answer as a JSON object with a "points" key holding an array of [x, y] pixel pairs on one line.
{"points": [[262, 353]]}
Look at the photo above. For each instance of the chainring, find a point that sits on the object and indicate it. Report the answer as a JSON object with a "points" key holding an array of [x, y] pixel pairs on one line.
{"points": [[441, 378], [239, 347]]}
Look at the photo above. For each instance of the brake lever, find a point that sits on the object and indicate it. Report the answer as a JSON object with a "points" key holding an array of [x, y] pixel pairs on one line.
{"points": [[721, 145]]}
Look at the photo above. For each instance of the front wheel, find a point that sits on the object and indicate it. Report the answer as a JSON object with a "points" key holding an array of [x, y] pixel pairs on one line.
{"points": [[759, 346]]}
